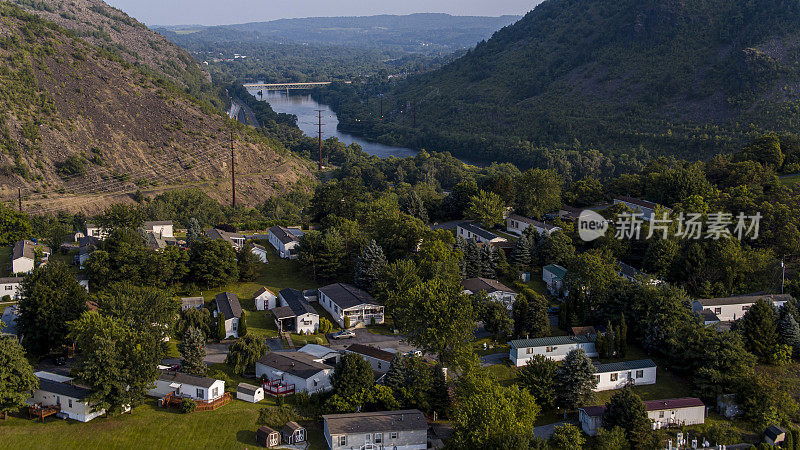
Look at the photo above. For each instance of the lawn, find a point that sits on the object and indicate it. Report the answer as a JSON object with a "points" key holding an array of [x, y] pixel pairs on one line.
{"points": [[788, 180], [491, 347], [230, 427], [505, 374]]}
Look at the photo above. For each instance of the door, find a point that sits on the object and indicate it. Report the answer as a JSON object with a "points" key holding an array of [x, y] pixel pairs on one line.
{"points": [[368, 439]]}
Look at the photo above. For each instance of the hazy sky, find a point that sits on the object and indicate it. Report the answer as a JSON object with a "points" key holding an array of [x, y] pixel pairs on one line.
{"points": [[216, 12]]}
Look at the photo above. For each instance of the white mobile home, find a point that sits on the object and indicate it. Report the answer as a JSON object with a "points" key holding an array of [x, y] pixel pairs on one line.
{"points": [[399, 430], [23, 256], [494, 289], [643, 207], [662, 414], [518, 224], [162, 229], [553, 347], [294, 314], [60, 392], [286, 241], [228, 304], [265, 300], [11, 286], [553, 277], [380, 360], [295, 371], [260, 252], [618, 375], [345, 300], [728, 309], [183, 385], [472, 232]]}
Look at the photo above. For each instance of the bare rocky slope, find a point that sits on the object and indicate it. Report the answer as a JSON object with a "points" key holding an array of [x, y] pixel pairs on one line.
{"points": [[83, 126]]}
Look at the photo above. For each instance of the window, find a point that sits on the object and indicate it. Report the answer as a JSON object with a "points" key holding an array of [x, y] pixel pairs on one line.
{"points": [[70, 403], [640, 374], [235, 323], [394, 434], [597, 378], [614, 376], [215, 392], [342, 441], [199, 393], [378, 438], [746, 308], [528, 351], [661, 414], [316, 383], [8, 288], [549, 349], [379, 365], [717, 311]]}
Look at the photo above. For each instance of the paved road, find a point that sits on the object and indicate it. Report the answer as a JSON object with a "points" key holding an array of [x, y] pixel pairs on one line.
{"points": [[363, 336], [216, 353]]}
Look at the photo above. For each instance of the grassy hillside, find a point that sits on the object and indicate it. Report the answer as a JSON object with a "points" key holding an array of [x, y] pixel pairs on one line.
{"points": [[636, 77], [82, 126]]}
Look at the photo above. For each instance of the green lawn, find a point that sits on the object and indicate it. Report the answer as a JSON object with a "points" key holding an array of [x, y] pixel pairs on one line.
{"points": [[491, 347], [505, 374], [788, 180], [230, 427]]}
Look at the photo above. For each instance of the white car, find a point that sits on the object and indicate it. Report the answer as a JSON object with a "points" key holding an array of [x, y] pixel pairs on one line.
{"points": [[344, 334]]}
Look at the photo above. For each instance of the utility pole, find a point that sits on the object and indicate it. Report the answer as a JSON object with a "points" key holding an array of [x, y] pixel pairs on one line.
{"points": [[783, 273], [320, 138], [233, 173]]}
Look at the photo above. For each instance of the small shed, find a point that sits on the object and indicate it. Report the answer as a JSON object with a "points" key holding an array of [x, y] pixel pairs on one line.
{"points": [[293, 433], [249, 393], [267, 437], [774, 435]]}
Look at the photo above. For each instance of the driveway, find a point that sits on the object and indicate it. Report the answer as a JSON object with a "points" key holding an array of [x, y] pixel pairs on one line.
{"points": [[216, 353], [494, 359], [545, 431], [363, 336]]}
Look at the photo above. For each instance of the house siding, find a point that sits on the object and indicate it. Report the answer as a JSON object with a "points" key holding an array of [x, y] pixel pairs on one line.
{"points": [[22, 265], [406, 440], [623, 376], [266, 301], [193, 392], [80, 410], [357, 314], [520, 356], [322, 379], [730, 312], [11, 289], [694, 415]]}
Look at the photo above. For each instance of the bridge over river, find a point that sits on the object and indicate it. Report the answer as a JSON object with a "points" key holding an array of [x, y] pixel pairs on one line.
{"points": [[287, 86]]}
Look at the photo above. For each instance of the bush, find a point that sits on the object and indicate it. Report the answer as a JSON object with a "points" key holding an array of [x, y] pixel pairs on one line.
{"points": [[347, 322], [6, 298], [325, 325], [188, 405]]}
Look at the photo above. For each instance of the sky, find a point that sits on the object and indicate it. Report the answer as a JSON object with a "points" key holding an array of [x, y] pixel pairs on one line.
{"points": [[219, 12]]}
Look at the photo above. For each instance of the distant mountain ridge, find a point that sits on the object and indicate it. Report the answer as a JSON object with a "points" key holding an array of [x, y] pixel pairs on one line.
{"points": [[82, 126], [691, 78], [411, 32]]}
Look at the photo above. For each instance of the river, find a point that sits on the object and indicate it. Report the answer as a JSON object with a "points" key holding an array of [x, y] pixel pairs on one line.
{"points": [[305, 108]]}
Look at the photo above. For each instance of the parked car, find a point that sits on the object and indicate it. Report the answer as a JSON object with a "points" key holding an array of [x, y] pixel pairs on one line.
{"points": [[344, 334]]}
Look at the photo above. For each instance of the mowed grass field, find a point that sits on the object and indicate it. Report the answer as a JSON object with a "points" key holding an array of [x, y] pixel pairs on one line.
{"points": [[230, 427]]}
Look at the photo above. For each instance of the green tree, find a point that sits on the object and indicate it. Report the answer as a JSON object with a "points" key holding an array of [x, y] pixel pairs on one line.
{"points": [[194, 231], [242, 329], [247, 262], [415, 207], [556, 248], [438, 319], [193, 352], [16, 375], [198, 318], [325, 325], [245, 352], [351, 375], [498, 321], [147, 309], [51, 297], [627, 411], [522, 253], [575, 380], [489, 415], [368, 267], [760, 330], [611, 439], [538, 377], [538, 192], [487, 208], [622, 337], [14, 225], [221, 332], [789, 331], [330, 258], [567, 437], [116, 361], [530, 315], [213, 262], [120, 215]]}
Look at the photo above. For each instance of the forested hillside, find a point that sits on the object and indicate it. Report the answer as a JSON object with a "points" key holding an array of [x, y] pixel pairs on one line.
{"points": [[631, 78], [82, 126]]}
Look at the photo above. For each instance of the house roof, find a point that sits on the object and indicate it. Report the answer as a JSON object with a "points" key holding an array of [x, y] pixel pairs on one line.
{"points": [[27, 249], [295, 300], [154, 242], [259, 247], [372, 352], [283, 234], [228, 304], [11, 280], [743, 299], [185, 378], [637, 202], [347, 295], [283, 312], [215, 233], [65, 389], [475, 285], [532, 222], [248, 389], [294, 363], [774, 431], [551, 340], [556, 270], [624, 365], [371, 422], [265, 431], [627, 270], [583, 331], [193, 301], [474, 229], [708, 315], [261, 291], [651, 405], [316, 350]]}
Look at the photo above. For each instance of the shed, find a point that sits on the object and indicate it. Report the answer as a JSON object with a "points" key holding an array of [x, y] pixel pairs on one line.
{"points": [[293, 433], [249, 393], [267, 437], [774, 435]]}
